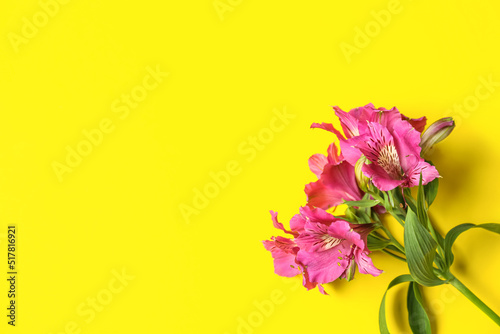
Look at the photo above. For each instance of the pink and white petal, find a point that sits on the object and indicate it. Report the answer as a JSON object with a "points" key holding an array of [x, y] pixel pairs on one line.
{"points": [[316, 164], [313, 237], [365, 264], [380, 178], [371, 143]]}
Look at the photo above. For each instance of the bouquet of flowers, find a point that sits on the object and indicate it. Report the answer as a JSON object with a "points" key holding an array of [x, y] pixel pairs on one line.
{"points": [[382, 157]]}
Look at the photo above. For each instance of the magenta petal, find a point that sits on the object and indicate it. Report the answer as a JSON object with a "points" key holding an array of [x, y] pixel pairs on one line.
{"points": [[341, 179], [283, 251], [407, 142], [323, 267], [297, 223], [428, 171], [365, 264], [348, 122], [380, 178], [350, 152], [342, 229], [317, 215], [328, 127]]}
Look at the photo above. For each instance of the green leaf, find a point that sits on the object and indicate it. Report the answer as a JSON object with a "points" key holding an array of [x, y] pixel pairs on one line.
{"points": [[382, 321], [456, 231], [363, 217], [409, 199], [365, 203], [417, 317], [375, 244], [431, 190], [386, 199], [421, 205], [397, 194], [420, 251]]}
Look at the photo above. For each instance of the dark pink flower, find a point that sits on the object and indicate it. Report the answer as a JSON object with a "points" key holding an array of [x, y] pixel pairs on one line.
{"points": [[354, 124], [330, 247], [395, 156], [284, 250]]}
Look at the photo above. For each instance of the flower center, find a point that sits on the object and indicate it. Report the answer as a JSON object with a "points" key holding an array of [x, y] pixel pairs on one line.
{"points": [[388, 159], [330, 242]]}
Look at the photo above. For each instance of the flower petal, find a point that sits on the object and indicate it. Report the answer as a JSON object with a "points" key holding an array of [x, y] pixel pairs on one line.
{"points": [[380, 178], [318, 195], [341, 180], [283, 251], [324, 267], [279, 225], [316, 164], [365, 264]]}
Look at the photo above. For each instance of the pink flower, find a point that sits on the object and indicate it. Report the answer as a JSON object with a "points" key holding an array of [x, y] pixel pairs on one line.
{"points": [[354, 122], [284, 250], [395, 156], [330, 248], [336, 181]]}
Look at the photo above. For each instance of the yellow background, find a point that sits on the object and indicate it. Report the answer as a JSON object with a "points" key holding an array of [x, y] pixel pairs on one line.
{"points": [[229, 68]]}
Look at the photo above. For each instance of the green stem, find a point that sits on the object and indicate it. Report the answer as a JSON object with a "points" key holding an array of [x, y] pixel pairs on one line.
{"points": [[394, 255], [473, 298], [393, 240]]}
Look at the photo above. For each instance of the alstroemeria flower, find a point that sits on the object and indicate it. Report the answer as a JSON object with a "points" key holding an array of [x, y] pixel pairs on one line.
{"points": [[354, 122], [284, 250], [328, 250], [395, 156], [336, 181]]}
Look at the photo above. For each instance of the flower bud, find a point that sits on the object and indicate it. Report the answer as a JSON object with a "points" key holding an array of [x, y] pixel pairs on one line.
{"points": [[362, 181], [350, 271], [436, 132]]}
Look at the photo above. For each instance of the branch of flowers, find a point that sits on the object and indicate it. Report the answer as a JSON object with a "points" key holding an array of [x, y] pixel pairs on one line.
{"points": [[474, 299]]}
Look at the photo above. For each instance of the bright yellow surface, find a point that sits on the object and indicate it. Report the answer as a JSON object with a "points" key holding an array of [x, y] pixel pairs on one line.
{"points": [[117, 211]]}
